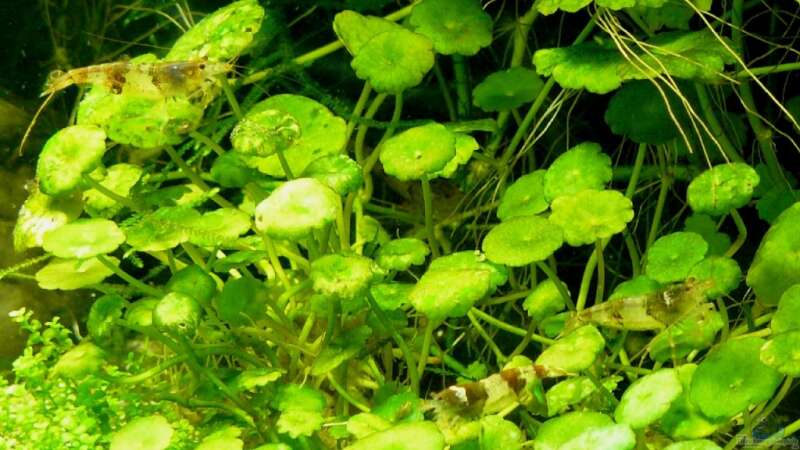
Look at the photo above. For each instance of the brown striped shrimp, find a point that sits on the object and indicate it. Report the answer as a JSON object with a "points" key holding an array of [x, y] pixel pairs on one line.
{"points": [[171, 78]]}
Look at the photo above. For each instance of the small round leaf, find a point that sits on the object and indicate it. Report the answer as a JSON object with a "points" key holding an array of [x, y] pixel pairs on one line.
{"points": [[394, 61], [338, 172], [671, 257], [507, 89], [296, 208], [584, 166], [525, 197], [103, 315], [418, 152], [342, 276], [722, 188], [574, 352], [71, 274], [781, 353], [721, 272], [400, 254], [787, 316], [443, 293], [522, 240], [459, 27], [143, 433], [648, 398], [83, 238], [68, 155], [177, 314], [589, 215]]}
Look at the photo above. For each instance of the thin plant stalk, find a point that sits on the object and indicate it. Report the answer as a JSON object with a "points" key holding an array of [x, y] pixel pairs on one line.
{"points": [[427, 199]]}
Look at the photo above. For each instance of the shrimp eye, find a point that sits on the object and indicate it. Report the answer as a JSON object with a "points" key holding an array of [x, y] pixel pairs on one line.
{"points": [[202, 66], [54, 75]]}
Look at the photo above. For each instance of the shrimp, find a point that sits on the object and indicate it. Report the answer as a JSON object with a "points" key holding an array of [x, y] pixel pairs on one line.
{"points": [[171, 78]]}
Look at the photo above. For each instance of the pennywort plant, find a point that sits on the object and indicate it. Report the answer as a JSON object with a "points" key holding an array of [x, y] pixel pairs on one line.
{"points": [[459, 225]]}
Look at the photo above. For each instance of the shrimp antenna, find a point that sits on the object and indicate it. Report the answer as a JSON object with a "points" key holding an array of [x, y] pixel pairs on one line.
{"points": [[33, 121]]}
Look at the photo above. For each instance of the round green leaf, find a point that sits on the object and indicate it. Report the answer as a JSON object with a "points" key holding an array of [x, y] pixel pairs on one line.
{"points": [[83, 238], [473, 260], [230, 171], [400, 254], [575, 351], [695, 331], [222, 35], [556, 432], [322, 133], [684, 420], [459, 27], [394, 61], [722, 273], [162, 230], [418, 152], [641, 285], [195, 282], [544, 301], [781, 353], [218, 227], [787, 316], [590, 215], [119, 179], [301, 410], [776, 265], [584, 166], [610, 437], [722, 188], [405, 436], [177, 314], [143, 433], [648, 398], [671, 257], [342, 276], [355, 30], [525, 197], [103, 315], [70, 274], [263, 132], [252, 379], [732, 378], [296, 208], [338, 172], [499, 434], [41, 213], [79, 362], [507, 89], [697, 444], [442, 293], [140, 313], [522, 240], [706, 227], [242, 301], [638, 111], [390, 296], [465, 147], [68, 155]]}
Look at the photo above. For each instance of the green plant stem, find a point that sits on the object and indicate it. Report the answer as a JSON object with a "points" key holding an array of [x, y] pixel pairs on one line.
{"points": [[284, 163], [462, 85], [633, 181], [586, 279], [426, 347], [200, 137], [411, 365], [601, 273], [427, 199], [666, 182], [505, 298], [744, 328], [142, 287], [13, 270], [767, 70], [361, 135], [713, 124], [741, 236], [559, 285], [194, 178], [272, 254], [372, 159], [346, 395], [501, 358], [124, 201], [361, 103], [449, 361], [497, 323], [226, 88], [325, 50], [448, 99]]}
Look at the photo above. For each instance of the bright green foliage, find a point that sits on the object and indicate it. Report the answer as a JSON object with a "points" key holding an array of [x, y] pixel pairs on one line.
{"points": [[140, 313], [721, 389], [472, 260], [119, 179], [230, 171], [507, 89], [611, 437], [648, 398], [83, 238], [253, 380], [391, 296], [162, 230], [338, 172], [263, 132], [696, 331], [41, 213], [143, 433], [590, 215], [301, 410], [524, 197], [573, 391], [459, 27], [67, 156], [465, 146], [105, 311], [787, 316], [522, 240], [638, 111], [544, 301], [684, 419], [584, 166], [705, 226], [343, 276], [70, 274], [406, 436], [776, 265], [780, 353], [558, 431], [321, 133], [296, 208], [195, 282], [671, 257], [401, 254], [574, 352], [390, 57], [80, 361], [722, 272], [242, 301], [177, 314], [217, 227], [418, 152], [600, 68], [641, 285], [699, 444], [363, 424], [343, 348], [722, 188], [220, 36], [499, 434], [449, 292], [224, 439]]}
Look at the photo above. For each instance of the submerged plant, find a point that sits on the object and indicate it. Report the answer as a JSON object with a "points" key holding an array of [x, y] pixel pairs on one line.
{"points": [[272, 260]]}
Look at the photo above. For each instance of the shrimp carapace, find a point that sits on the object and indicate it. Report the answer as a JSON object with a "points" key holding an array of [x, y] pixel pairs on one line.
{"points": [[171, 77]]}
